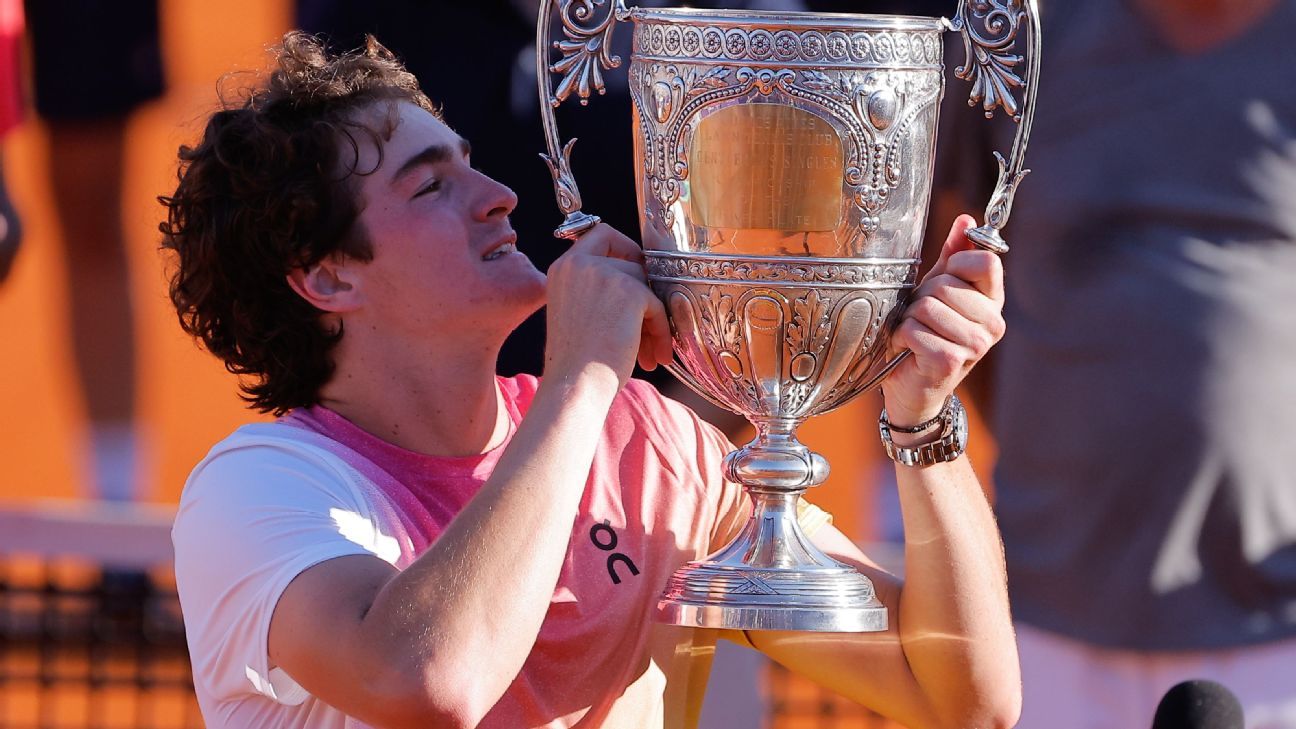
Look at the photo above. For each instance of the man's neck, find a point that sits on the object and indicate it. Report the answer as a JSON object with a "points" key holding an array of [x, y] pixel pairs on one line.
{"points": [[1196, 26], [428, 401]]}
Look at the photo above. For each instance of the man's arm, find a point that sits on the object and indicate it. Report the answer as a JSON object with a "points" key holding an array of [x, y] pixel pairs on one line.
{"points": [[949, 659], [438, 643]]}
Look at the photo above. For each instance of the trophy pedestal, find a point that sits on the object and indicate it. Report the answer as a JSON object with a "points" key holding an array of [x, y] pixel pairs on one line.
{"points": [[772, 577], [706, 595]]}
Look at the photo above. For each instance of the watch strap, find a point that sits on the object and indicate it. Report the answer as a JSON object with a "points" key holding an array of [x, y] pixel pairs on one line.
{"points": [[948, 446]]}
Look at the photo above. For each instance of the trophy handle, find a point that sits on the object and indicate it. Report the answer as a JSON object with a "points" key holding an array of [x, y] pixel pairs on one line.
{"points": [[887, 368], [990, 66], [586, 49]]}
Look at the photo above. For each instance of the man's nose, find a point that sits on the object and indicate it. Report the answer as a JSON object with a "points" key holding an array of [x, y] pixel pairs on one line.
{"points": [[496, 198]]}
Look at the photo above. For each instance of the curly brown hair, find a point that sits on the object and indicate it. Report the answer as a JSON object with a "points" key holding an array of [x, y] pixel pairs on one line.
{"points": [[271, 187]]}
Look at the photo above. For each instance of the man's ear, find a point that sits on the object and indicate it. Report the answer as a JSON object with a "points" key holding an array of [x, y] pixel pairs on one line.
{"points": [[329, 285]]}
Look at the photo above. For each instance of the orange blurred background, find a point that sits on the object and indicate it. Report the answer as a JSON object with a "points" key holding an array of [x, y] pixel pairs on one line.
{"points": [[187, 401]]}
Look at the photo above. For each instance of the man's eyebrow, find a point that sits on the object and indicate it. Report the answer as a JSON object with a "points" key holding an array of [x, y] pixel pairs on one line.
{"points": [[430, 156]]}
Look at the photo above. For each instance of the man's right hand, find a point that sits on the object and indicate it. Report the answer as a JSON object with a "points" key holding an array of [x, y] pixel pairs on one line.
{"points": [[601, 311]]}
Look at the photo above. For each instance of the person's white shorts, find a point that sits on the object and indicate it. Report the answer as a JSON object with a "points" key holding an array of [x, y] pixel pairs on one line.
{"points": [[1067, 684]]}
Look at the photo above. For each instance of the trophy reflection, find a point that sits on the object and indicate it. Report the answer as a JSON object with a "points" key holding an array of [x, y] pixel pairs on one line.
{"points": [[783, 173]]}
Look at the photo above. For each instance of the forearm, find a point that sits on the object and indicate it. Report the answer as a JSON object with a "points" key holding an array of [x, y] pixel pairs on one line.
{"points": [[476, 599], [954, 621], [949, 658]]}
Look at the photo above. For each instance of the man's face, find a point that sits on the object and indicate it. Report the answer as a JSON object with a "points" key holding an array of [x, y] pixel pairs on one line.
{"points": [[445, 257]]}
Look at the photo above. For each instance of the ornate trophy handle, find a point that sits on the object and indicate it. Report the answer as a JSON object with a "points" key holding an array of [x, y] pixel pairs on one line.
{"points": [[990, 66], [586, 49]]}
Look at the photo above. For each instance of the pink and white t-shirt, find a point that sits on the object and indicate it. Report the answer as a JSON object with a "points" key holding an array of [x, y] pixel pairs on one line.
{"points": [[273, 499]]}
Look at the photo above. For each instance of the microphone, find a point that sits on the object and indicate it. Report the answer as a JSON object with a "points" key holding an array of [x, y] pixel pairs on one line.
{"points": [[1198, 704]]}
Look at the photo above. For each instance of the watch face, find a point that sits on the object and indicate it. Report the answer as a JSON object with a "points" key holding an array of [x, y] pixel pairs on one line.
{"points": [[960, 428]]}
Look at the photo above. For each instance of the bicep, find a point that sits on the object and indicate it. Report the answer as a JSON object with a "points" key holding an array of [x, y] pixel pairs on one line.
{"points": [[316, 632]]}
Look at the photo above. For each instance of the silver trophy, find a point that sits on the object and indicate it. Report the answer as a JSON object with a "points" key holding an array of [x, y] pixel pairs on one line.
{"points": [[784, 165]]}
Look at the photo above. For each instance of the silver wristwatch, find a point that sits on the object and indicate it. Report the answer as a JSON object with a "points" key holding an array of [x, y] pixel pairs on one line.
{"points": [[950, 445]]}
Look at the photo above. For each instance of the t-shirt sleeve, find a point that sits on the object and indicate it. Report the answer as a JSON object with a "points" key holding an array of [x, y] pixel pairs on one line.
{"points": [[250, 520]]}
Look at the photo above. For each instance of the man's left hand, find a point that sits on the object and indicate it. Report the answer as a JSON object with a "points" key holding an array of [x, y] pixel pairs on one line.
{"points": [[953, 319]]}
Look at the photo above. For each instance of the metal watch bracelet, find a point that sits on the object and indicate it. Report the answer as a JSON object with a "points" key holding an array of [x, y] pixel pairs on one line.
{"points": [[951, 443]]}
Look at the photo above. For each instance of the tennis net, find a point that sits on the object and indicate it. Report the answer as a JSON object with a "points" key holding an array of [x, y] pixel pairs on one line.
{"points": [[90, 629]]}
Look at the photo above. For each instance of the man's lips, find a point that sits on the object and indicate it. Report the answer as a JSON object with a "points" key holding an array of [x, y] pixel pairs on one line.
{"points": [[505, 246]]}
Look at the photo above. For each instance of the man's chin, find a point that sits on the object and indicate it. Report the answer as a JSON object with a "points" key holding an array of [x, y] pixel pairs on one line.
{"points": [[533, 299]]}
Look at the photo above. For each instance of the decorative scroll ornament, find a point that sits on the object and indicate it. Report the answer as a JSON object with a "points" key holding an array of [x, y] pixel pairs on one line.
{"points": [[569, 199], [585, 54], [588, 46], [989, 29], [808, 337], [720, 323], [990, 64]]}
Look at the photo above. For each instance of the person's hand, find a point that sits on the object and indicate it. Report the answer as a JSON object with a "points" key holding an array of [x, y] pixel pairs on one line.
{"points": [[954, 318], [601, 311]]}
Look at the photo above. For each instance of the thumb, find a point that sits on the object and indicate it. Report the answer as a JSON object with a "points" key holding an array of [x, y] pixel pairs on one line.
{"points": [[956, 241]]}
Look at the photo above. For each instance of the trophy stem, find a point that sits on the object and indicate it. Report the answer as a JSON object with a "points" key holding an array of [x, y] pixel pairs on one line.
{"points": [[772, 576]]}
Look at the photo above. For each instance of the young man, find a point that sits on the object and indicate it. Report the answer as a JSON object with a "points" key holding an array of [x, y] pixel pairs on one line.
{"points": [[416, 542]]}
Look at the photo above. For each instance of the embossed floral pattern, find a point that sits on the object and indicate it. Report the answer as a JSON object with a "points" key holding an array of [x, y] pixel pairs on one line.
{"points": [[692, 40], [918, 47], [786, 45], [736, 43], [812, 45], [672, 40], [712, 41], [900, 273], [838, 46]]}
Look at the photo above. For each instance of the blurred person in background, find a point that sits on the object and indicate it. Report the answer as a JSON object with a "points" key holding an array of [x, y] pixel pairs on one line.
{"points": [[1144, 401], [448, 530], [11, 30], [93, 64]]}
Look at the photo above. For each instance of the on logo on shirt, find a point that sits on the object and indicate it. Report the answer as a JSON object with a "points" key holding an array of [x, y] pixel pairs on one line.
{"points": [[605, 538]]}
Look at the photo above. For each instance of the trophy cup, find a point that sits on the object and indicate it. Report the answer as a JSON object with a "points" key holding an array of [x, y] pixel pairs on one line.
{"points": [[783, 169]]}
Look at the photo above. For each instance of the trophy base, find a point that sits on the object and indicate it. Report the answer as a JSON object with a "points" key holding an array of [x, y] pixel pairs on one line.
{"points": [[815, 599]]}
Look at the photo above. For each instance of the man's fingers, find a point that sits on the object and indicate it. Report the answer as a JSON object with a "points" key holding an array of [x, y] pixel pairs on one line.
{"points": [[629, 268], [604, 240], [969, 301], [655, 345], [936, 358], [982, 269], [954, 326]]}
